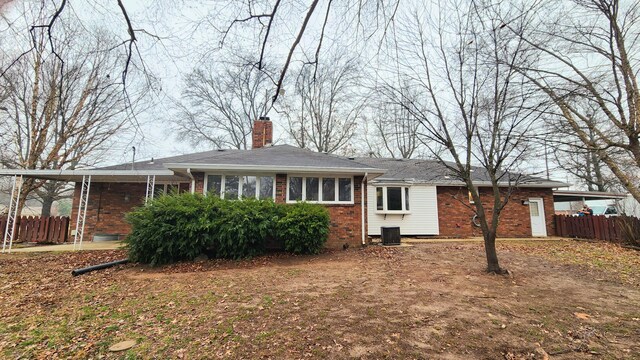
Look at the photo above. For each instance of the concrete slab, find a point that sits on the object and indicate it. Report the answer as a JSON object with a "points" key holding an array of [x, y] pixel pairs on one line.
{"points": [[103, 245]]}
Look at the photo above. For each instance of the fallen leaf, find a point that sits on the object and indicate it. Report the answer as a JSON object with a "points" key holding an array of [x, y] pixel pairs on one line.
{"points": [[123, 345], [582, 316]]}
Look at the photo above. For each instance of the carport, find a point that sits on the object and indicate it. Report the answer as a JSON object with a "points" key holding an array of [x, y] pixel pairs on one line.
{"points": [[582, 196], [84, 178]]}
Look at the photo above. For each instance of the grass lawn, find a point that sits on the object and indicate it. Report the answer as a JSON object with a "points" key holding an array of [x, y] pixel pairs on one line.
{"points": [[564, 299]]}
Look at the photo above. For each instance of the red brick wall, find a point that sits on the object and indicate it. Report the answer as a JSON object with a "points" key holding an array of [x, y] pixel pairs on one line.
{"points": [[199, 180], [281, 188], [346, 220], [454, 216], [107, 207]]}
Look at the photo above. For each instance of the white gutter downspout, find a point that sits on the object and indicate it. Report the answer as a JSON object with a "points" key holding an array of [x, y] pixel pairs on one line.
{"points": [[362, 190], [193, 181]]}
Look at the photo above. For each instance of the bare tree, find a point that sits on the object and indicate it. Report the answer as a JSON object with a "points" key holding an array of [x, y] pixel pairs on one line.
{"points": [[582, 163], [396, 128], [365, 18], [473, 106], [589, 54], [326, 106], [62, 114], [219, 106]]}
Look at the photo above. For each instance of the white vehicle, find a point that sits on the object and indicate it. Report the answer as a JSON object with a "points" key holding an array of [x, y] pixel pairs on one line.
{"points": [[606, 210]]}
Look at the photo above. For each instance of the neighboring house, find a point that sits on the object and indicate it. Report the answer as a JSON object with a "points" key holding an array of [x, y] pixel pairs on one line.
{"points": [[361, 194]]}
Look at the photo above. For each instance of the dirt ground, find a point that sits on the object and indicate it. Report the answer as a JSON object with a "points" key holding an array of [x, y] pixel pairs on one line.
{"points": [[563, 300]]}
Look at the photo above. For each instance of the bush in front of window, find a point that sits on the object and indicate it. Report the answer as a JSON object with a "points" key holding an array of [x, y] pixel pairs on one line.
{"points": [[304, 228], [181, 227], [242, 228], [171, 228]]}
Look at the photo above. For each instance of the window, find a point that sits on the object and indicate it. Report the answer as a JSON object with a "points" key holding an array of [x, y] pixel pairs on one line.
{"points": [[533, 207], [165, 189], [313, 189], [249, 186], [295, 188], [231, 185], [214, 184], [266, 187], [392, 199], [345, 189], [406, 198], [172, 189], [236, 186], [323, 190], [328, 189]]}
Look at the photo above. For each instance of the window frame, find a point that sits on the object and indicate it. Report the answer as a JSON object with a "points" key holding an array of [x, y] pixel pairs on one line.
{"points": [[166, 185], [320, 178], [241, 176], [404, 192]]}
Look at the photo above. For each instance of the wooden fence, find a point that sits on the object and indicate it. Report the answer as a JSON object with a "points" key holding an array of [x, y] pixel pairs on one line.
{"points": [[51, 229], [614, 229]]}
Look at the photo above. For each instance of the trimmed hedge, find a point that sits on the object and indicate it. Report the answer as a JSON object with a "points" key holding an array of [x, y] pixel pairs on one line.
{"points": [[182, 227], [304, 228]]}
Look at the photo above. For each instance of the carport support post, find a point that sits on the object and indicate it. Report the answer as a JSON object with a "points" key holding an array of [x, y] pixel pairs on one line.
{"points": [[12, 213], [82, 212], [151, 185]]}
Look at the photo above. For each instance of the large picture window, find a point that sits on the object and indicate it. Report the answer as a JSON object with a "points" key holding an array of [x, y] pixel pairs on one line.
{"points": [[320, 189], [390, 199], [235, 186]]}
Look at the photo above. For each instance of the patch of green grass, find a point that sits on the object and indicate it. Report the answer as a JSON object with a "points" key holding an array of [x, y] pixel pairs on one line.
{"points": [[267, 301], [263, 335]]}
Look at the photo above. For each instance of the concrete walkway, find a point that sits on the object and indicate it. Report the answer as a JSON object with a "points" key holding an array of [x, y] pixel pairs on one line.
{"points": [[101, 245]]}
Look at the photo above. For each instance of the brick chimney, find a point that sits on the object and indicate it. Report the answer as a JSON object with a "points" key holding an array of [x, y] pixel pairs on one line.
{"points": [[262, 132]]}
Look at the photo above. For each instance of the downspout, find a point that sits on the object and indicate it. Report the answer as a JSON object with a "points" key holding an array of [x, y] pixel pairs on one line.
{"points": [[193, 181], [362, 190]]}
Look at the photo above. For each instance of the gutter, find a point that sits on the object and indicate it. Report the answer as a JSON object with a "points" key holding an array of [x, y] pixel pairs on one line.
{"points": [[362, 191], [193, 181]]}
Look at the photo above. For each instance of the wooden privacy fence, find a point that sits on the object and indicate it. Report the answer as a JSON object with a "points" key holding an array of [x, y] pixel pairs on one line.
{"points": [[614, 229], [50, 229]]}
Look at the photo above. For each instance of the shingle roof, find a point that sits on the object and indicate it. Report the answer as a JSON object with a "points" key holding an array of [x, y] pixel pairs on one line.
{"points": [[432, 171], [413, 170], [277, 155]]}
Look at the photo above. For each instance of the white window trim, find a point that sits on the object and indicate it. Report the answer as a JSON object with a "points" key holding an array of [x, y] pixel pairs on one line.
{"points": [[320, 178], [403, 193], [240, 184]]}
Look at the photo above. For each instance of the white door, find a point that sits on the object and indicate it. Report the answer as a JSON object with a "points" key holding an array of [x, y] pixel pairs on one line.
{"points": [[538, 223]]}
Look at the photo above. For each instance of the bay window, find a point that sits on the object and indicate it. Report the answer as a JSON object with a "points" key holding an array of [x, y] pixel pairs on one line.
{"points": [[390, 199], [320, 189]]}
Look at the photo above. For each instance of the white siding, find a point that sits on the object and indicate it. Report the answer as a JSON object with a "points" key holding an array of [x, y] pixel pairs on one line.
{"points": [[423, 219]]}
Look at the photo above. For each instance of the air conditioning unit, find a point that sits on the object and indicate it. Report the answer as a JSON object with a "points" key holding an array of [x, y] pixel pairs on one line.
{"points": [[390, 235]]}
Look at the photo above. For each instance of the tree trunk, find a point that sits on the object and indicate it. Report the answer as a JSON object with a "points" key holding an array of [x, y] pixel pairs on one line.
{"points": [[47, 202], [493, 266]]}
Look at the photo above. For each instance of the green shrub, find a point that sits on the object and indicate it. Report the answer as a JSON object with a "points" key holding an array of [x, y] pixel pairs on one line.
{"points": [[304, 228], [171, 228], [242, 228], [183, 226]]}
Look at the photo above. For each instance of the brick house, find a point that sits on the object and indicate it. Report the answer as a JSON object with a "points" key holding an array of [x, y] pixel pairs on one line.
{"points": [[361, 194]]}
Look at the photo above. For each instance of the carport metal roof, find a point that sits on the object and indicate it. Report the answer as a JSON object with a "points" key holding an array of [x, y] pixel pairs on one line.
{"points": [[575, 195], [96, 175]]}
